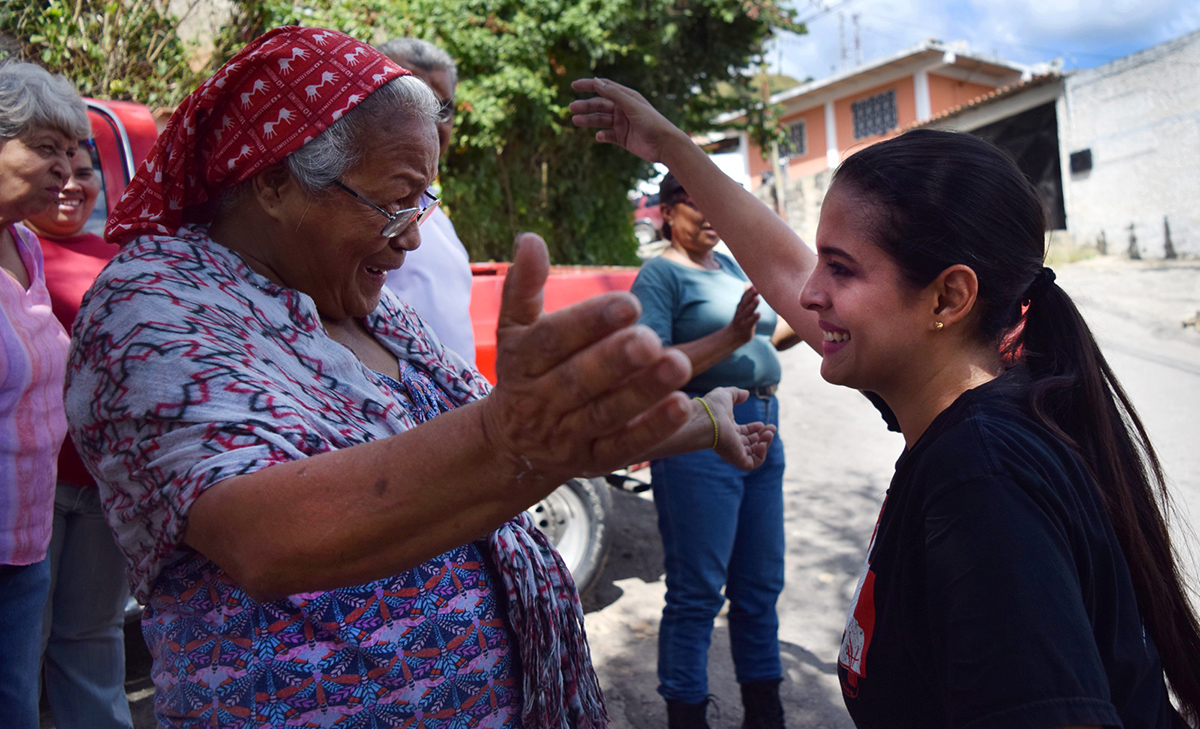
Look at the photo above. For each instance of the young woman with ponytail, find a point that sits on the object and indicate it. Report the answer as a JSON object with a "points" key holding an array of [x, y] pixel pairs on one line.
{"points": [[1021, 573]]}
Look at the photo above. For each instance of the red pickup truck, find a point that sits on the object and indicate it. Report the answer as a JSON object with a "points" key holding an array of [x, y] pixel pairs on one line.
{"points": [[574, 515]]}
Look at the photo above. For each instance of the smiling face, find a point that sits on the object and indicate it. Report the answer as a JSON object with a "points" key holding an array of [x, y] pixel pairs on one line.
{"points": [[34, 168], [691, 233], [875, 321], [329, 246], [68, 215]]}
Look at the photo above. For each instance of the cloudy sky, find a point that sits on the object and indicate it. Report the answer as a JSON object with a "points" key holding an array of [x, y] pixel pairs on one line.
{"points": [[1083, 33]]}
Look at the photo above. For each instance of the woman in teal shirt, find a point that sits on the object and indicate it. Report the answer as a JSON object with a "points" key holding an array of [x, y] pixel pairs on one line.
{"points": [[722, 528]]}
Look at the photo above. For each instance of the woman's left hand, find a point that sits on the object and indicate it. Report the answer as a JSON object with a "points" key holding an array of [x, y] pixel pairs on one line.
{"points": [[743, 445], [745, 318]]}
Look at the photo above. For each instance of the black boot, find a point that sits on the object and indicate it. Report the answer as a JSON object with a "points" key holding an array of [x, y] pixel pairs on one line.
{"points": [[761, 701], [686, 716]]}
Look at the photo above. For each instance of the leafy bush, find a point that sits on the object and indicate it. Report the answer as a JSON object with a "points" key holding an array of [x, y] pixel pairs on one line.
{"points": [[517, 163], [113, 50]]}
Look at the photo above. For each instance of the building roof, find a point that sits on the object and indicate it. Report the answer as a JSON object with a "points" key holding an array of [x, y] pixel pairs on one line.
{"points": [[952, 53], [1003, 92]]}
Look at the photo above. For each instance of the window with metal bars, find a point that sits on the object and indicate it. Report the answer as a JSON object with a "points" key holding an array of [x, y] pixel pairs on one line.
{"points": [[874, 115], [796, 144]]}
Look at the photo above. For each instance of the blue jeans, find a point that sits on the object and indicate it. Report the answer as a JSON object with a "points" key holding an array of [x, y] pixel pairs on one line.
{"points": [[721, 528], [83, 625], [23, 591]]}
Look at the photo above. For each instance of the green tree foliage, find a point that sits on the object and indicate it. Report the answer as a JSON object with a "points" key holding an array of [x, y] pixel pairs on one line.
{"points": [[517, 162], [114, 50]]}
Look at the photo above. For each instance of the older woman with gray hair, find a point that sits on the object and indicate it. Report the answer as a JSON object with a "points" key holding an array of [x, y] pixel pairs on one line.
{"points": [[42, 120], [322, 507]]}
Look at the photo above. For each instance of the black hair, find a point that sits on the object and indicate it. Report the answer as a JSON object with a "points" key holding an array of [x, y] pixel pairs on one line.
{"points": [[943, 198], [670, 192]]}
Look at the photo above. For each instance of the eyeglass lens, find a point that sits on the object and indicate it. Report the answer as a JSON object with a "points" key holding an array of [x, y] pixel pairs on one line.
{"points": [[407, 217]]}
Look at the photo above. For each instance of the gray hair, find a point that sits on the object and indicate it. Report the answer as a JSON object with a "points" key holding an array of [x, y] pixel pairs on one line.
{"points": [[421, 54], [334, 151], [343, 144], [33, 98]]}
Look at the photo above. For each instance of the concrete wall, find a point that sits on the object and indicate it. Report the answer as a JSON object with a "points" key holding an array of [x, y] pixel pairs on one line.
{"points": [[1140, 117], [804, 196]]}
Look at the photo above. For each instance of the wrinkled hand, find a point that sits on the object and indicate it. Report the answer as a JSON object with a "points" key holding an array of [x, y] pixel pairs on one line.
{"points": [[580, 391], [623, 116], [743, 445], [745, 319]]}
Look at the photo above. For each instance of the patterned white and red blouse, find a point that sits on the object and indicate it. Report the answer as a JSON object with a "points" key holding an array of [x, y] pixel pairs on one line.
{"points": [[189, 368]]}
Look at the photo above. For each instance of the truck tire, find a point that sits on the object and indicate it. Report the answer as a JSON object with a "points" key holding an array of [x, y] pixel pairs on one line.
{"points": [[573, 517]]}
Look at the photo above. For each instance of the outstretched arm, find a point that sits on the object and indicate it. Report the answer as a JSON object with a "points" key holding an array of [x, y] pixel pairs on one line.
{"points": [[741, 444], [579, 391], [767, 249]]}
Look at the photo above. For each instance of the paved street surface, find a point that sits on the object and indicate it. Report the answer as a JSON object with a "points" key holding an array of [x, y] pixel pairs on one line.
{"points": [[840, 459]]}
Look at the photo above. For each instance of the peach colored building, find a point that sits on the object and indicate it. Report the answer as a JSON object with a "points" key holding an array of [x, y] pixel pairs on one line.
{"points": [[827, 120]]}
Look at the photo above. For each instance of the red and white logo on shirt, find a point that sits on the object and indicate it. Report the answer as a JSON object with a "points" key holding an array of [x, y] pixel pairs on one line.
{"points": [[860, 625]]}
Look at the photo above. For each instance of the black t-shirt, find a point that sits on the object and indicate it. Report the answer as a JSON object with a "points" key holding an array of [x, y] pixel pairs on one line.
{"points": [[996, 593]]}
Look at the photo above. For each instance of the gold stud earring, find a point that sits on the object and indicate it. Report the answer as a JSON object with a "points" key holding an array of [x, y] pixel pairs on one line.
{"points": [[937, 326]]}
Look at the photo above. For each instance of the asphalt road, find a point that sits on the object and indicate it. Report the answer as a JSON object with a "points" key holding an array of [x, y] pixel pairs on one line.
{"points": [[840, 459]]}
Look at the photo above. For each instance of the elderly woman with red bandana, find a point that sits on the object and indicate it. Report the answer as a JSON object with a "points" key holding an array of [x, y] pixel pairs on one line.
{"points": [[316, 499]]}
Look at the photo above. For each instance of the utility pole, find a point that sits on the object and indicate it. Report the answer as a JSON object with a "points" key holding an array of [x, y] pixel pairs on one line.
{"points": [[857, 42], [1168, 247], [842, 40], [776, 177]]}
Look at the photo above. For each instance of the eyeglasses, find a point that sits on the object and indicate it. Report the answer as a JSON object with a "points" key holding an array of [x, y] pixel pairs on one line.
{"points": [[445, 111], [398, 221]]}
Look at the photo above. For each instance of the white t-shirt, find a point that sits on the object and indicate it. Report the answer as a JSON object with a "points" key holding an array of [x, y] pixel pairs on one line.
{"points": [[436, 281]]}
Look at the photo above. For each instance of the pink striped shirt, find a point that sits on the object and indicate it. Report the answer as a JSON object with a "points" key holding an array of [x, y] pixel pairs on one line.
{"points": [[33, 355]]}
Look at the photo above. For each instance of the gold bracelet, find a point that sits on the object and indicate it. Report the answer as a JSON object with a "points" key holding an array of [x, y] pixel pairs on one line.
{"points": [[713, 418]]}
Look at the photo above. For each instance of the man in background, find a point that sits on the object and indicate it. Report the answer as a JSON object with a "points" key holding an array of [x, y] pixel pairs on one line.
{"points": [[436, 278]]}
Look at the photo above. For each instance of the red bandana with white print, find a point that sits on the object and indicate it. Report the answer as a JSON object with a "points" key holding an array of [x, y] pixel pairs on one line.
{"points": [[279, 92]]}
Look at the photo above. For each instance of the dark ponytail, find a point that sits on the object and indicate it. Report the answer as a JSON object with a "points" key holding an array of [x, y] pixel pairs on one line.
{"points": [[1077, 396], [943, 199]]}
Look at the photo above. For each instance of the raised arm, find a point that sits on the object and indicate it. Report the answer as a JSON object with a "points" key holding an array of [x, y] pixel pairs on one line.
{"points": [[768, 250]]}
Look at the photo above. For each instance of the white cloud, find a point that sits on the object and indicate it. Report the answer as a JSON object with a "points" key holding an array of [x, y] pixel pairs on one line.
{"points": [[1076, 24], [1083, 33]]}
